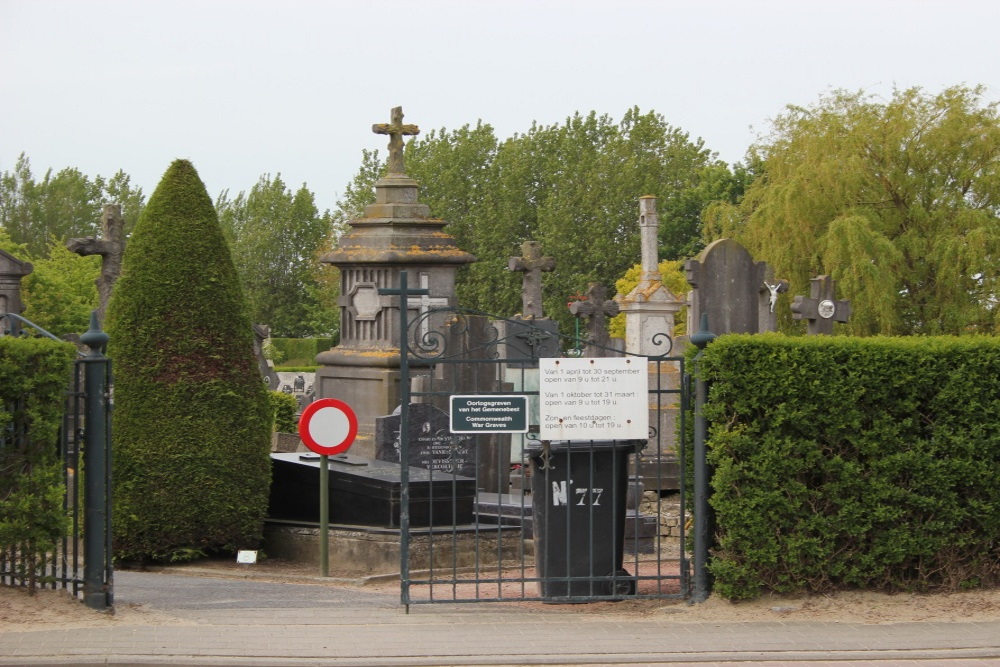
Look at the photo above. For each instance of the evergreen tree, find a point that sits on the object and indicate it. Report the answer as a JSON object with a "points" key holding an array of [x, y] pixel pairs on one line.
{"points": [[192, 420]]}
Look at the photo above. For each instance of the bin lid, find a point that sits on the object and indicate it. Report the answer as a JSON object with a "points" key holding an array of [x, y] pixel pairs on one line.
{"points": [[536, 446]]}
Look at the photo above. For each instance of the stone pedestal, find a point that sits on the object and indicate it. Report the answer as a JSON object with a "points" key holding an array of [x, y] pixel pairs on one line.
{"points": [[396, 234]]}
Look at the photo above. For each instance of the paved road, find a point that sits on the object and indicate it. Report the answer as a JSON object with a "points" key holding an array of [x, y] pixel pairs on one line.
{"points": [[209, 621]]}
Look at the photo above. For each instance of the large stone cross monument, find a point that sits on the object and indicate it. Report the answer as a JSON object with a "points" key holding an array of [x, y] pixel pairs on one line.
{"points": [[650, 307], [596, 309], [395, 234], [531, 265], [111, 248], [821, 309]]}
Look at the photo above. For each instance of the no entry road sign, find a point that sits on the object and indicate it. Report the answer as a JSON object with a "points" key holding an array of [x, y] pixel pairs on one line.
{"points": [[328, 426]]}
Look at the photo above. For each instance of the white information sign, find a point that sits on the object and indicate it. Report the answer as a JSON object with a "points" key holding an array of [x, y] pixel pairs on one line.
{"points": [[594, 399]]}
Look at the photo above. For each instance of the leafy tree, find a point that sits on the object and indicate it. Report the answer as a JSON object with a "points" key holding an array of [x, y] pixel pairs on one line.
{"points": [[574, 187], [274, 236], [60, 293], [63, 205], [897, 200], [192, 419]]}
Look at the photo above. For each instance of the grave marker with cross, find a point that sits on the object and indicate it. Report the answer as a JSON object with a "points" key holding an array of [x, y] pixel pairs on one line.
{"points": [[111, 248], [596, 310], [821, 309], [396, 131], [531, 265], [423, 303]]}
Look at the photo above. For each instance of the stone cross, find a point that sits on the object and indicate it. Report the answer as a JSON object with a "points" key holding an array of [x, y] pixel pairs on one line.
{"points": [[531, 265], [821, 309], [111, 248], [424, 303], [596, 309], [396, 130]]}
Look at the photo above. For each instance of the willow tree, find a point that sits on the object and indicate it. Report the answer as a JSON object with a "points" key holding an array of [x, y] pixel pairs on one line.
{"points": [[897, 200], [192, 421]]}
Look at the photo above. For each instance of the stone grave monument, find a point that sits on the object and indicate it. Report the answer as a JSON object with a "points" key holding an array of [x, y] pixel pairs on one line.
{"points": [[738, 294], [12, 270], [596, 310], [432, 446], [111, 248], [821, 309], [395, 234], [525, 338], [649, 310]]}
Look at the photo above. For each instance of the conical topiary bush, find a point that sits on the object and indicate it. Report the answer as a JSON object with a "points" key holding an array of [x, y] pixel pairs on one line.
{"points": [[191, 422]]}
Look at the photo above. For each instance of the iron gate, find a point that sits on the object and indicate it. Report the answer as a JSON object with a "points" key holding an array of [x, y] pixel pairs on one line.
{"points": [[496, 521], [81, 561]]}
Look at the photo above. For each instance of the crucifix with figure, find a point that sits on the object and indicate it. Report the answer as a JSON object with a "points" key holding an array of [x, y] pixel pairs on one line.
{"points": [[396, 131], [596, 310], [111, 248], [531, 265], [821, 309]]}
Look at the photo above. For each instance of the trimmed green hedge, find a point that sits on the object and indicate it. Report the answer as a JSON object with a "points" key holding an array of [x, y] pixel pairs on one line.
{"points": [[843, 462], [299, 351], [284, 407], [33, 378], [192, 420]]}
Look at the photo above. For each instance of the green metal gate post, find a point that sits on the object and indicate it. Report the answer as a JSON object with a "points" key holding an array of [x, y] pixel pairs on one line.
{"points": [[702, 522], [404, 430], [96, 459]]}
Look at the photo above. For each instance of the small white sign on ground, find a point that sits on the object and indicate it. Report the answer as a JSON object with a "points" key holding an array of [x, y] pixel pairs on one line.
{"points": [[594, 399]]}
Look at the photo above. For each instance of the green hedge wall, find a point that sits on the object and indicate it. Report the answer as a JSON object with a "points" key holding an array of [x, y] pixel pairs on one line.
{"points": [[299, 351], [842, 463], [284, 407], [34, 374]]}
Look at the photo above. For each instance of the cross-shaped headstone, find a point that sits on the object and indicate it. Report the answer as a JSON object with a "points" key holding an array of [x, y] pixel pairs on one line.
{"points": [[596, 309], [396, 130], [531, 265], [821, 309], [111, 248], [424, 302]]}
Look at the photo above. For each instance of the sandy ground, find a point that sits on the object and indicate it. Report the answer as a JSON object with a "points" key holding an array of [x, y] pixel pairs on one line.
{"points": [[49, 608]]}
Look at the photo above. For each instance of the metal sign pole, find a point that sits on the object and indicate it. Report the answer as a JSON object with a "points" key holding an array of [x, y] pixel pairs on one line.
{"points": [[324, 515]]}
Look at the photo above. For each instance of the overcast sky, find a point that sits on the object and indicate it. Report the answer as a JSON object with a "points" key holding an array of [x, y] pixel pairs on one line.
{"points": [[292, 86]]}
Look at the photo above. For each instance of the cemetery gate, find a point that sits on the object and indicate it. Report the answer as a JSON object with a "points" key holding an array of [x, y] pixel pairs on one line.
{"points": [[490, 511], [81, 560]]}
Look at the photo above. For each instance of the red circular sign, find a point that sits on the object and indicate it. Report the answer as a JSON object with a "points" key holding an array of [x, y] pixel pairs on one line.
{"points": [[328, 426]]}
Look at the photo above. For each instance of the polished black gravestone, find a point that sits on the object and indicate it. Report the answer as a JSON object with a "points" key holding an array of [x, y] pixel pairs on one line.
{"points": [[367, 492], [432, 446]]}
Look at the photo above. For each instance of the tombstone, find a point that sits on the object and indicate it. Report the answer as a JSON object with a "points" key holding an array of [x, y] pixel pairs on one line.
{"points": [[367, 492], [11, 271], [431, 446], [532, 264], [111, 248], [596, 310], [395, 234], [470, 346], [738, 294], [650, 307], [821, 309], [528, 336]]}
